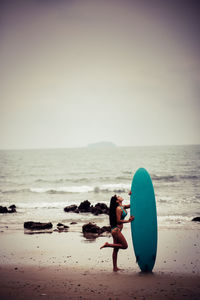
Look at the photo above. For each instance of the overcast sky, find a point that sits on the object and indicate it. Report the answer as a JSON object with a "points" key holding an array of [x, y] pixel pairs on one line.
{"points": [[73, 72]]}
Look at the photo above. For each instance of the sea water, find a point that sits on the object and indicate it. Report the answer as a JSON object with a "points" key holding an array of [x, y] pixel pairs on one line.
{"points": [[42, 182]]}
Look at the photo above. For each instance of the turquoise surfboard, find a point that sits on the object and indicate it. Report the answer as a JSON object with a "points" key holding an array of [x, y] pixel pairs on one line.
{"points": [[144, 226]]}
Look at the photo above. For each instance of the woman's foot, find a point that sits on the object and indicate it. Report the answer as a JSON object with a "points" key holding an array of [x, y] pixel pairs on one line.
{"points": [[117, 269], [105, 245]]}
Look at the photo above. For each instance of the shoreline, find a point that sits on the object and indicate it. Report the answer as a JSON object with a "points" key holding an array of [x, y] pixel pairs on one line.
{"points": [[178, 250]]}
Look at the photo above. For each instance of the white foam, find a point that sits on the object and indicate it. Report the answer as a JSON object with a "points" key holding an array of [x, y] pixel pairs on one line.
{"points": [[64, 189], [115, 187], [120, 187]]}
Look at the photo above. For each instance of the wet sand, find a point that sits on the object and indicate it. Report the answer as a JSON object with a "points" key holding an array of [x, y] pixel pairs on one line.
{"points": [[68, 266], [31, 282]]}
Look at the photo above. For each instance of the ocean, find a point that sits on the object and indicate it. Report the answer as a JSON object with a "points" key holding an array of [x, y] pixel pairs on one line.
{"points": [[42, 182]]}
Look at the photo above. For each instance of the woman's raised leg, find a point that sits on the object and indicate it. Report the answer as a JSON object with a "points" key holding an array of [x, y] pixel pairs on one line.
{"points": [[119, 241]]}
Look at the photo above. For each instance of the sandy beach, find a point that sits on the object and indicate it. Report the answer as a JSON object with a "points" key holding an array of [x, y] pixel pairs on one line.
{"points": [[68, 266], [29, 282]]}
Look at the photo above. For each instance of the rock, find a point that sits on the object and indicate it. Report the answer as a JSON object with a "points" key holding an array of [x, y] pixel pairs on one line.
{"points": [[72, 207], [197, 219], [12, 208], [95, 210], [105, 229], [60, 225], [73, 223], [100, 208], [5, 210], [91, 228], [37, 225], [84, 206]]}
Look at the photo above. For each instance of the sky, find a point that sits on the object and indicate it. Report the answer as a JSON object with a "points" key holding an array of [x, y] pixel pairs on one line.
{"points": [[75, 72]]}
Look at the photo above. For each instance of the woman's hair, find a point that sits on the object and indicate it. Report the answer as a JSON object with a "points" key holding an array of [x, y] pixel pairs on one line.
{"points": [[112, 211]]}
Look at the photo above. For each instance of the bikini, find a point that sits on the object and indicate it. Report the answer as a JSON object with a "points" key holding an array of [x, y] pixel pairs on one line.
{"points": [[123, 215]]}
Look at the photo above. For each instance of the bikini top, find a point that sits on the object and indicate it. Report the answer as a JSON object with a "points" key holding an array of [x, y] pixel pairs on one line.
{"points": [[124, 213]]}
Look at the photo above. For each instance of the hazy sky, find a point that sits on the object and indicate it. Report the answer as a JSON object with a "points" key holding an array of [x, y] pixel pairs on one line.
{"points": [[73, 72]]}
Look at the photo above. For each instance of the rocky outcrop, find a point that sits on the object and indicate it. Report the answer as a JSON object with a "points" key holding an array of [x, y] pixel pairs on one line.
{"points": [[37, 225], [93, 228], [70, 208], [197, 219], [100, 208], [5, 210], [61, 227], [106, 229], [86, 207]]}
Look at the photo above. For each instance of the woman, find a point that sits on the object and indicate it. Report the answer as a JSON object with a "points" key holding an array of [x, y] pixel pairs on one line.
{"points": [[116, 215]]}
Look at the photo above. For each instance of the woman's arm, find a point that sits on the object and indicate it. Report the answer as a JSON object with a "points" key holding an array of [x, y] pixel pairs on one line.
{"points": [[118, 215], [126, 206]]}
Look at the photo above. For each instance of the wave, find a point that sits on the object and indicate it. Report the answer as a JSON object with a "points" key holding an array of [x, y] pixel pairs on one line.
{"points": [[83, 179], [88, 181], [46, 205], [193, 177], [62, 180], [63, 190], [14, 191], [174, 178], [164, 178], [116, 188], [174, 219]]}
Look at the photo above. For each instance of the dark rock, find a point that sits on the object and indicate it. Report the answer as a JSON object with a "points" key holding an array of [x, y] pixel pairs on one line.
{"points": [[95, 210], [12, 208], [105, 229], [197, 219], [91, 228], [3, 210], [37, 225], [60, 225], [100, 208], [73, 223], [103, 207], [84, 206], [72, 207]]}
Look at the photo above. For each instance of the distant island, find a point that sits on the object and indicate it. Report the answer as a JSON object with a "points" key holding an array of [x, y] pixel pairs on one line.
{"points": [[102, 145]]}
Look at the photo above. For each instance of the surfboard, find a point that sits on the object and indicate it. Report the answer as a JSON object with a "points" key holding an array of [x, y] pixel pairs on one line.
{"points": [[144, 226]]}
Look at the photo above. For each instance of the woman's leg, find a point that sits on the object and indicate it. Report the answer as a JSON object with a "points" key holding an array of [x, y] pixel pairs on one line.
{"points": [[114, 258], [119, 241], [114, 255]]}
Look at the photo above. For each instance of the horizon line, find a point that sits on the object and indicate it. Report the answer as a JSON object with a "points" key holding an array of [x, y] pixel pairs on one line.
{"points": [[101, 147]]}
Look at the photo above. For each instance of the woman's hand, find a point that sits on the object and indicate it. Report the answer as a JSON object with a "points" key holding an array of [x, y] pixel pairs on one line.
{"points": [[131, 218]]}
